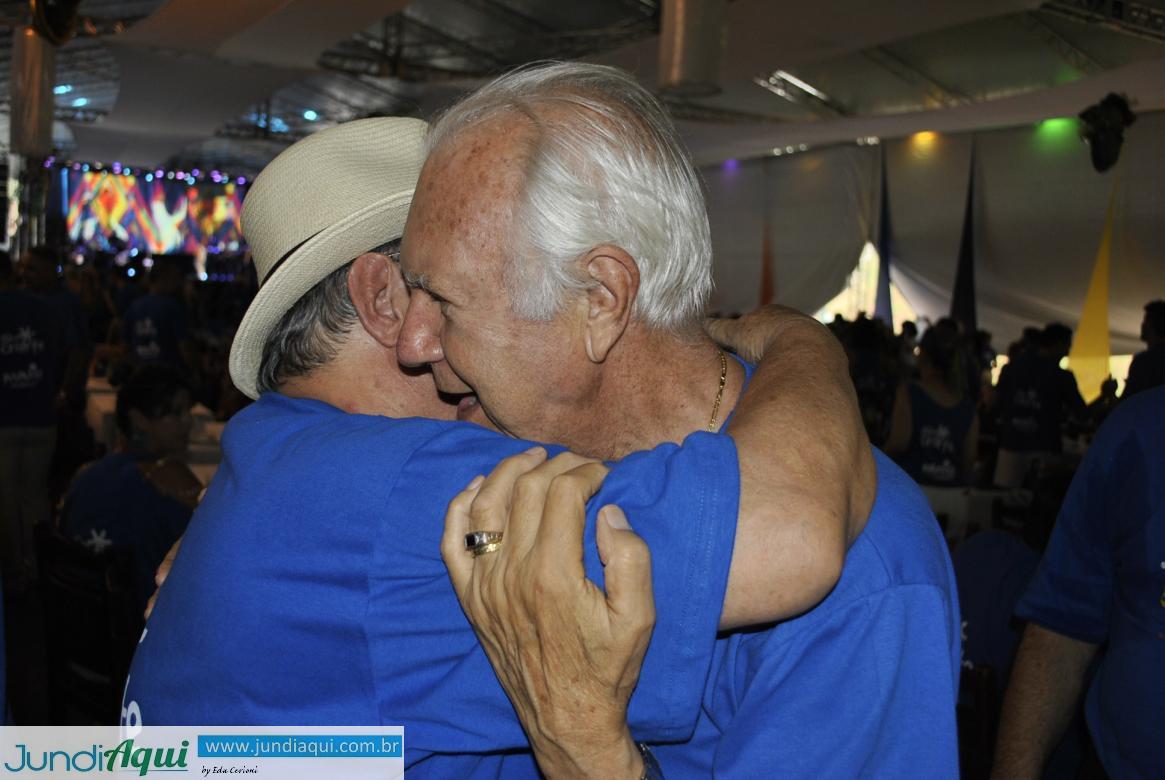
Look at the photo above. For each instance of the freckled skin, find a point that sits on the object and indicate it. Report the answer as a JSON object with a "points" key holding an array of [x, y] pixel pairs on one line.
{"points": [[459, 236], [536, 380]]}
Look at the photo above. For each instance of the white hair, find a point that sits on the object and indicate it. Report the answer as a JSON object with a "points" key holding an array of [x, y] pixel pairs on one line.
{"points": [[606, 166]]}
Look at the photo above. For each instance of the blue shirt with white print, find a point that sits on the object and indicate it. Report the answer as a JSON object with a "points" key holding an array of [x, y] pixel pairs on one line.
{"points": [[310, 588], [315, 557]]}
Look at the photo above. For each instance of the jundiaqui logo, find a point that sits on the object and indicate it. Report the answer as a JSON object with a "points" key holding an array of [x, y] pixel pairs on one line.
{"points": [[98, 759]]}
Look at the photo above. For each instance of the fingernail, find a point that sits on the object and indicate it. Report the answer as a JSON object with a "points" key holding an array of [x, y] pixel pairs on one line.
{"points": [[476, 483], [536, 451], [615, 518]]}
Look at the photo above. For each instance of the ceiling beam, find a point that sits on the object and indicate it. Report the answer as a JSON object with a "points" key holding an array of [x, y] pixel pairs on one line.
{"points": [[361, 65], [572, 44], [822, 108], [349, 109], [698, 113], [1068, 51], [466, 48], [937, 94], [512, 18], [642, 8], [1136, 19]]}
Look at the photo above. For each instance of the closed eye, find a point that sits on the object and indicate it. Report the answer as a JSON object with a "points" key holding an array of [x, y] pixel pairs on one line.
{"points": [[421, 282], [442, 303]]}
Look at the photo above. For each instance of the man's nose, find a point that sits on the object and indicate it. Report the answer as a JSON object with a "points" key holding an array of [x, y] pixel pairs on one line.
{"points": [[420, 335]]}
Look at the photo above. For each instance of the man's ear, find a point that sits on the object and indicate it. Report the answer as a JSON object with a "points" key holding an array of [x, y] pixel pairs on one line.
{"points": [[614, 277], [380, 295]]}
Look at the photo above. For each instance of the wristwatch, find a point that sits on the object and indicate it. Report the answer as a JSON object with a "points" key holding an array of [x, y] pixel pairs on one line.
{"points": [[651, 767]]}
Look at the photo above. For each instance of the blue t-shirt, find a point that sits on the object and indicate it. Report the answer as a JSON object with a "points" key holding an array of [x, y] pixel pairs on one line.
{"points": [[863, 685], [110, 504], [1146, 371], [993, 568], [310, 588], [32, 355], [1036, 397], [1102, 580], [154, 326], [73, 317], [937, 437]]}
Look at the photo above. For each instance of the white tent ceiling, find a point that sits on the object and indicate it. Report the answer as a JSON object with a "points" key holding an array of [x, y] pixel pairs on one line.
{"points": [[888, 67], [1143, 82]]}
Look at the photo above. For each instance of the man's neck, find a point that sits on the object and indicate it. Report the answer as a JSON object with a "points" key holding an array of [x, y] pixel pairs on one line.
{"points": [[367, 379], [653, 388]]}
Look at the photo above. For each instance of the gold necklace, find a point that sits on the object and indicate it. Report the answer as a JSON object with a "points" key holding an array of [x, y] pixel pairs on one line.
{"points": [[720, 392]]}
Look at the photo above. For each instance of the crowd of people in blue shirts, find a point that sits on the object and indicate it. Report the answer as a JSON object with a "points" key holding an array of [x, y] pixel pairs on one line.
{"points": [[1074, 552], [932, 402], [159, 338]]}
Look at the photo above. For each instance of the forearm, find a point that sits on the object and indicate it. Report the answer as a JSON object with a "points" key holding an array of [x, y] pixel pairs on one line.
{"points": [[807, 475], [1045, 687]]}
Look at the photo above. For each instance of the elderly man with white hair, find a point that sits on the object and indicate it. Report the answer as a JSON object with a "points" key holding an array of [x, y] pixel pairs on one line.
{"points": [[318, 542], [559, 256]]}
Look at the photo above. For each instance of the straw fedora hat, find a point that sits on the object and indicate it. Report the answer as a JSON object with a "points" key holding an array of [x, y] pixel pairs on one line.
{"points": [[318, 205]]}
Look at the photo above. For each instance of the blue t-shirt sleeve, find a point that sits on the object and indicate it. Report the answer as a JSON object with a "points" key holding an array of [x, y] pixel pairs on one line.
{"points": [[877, 671], [681, 500], [1071, 591], [159, 522]]}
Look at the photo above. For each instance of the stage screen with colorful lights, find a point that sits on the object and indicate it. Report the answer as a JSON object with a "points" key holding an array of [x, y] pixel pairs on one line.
{"points": [[112, 211]]}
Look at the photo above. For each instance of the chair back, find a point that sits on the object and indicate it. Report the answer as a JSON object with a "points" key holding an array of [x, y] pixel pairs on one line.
{"points": [[92, 626]]}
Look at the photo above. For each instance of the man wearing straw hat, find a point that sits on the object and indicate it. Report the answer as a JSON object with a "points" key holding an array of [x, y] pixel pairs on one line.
{"points": [[325, 510]]}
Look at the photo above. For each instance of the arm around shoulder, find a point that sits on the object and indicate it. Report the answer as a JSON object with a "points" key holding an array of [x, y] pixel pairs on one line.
{"points": [[807, 474]]}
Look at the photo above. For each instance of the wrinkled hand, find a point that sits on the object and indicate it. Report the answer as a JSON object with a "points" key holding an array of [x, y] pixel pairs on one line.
{"points": [[172, 477], [161, 574], [751, 334], [567, 654]]}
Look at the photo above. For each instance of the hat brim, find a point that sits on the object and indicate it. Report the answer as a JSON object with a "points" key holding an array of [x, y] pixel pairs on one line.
{"points": [[330, 249]]}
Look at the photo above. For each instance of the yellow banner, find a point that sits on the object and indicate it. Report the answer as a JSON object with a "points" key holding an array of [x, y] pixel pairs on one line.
{"points": [[1090, 347]]}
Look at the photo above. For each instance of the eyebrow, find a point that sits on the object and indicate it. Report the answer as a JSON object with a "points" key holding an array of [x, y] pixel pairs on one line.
{"points": [[415, 280], [422, 281]]}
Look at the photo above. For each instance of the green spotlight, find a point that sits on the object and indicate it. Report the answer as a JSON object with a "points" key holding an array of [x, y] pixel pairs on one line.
{"points": [[1057, 133]]}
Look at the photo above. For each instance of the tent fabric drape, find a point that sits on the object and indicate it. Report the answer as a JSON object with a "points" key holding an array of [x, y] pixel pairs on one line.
{"points": [[963, 298], [883, 308], [819, 208], [1039, 210]]}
